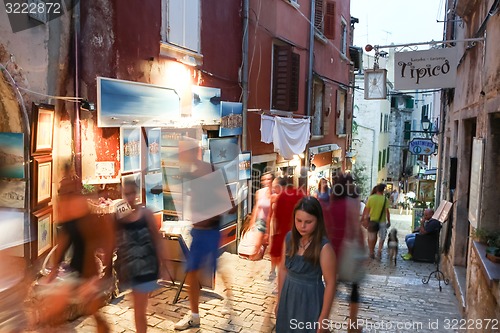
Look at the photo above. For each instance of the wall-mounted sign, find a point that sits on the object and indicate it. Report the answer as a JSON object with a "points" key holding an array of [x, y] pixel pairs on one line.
{"points": [[436, 68], [422, 146], [104, 169]]}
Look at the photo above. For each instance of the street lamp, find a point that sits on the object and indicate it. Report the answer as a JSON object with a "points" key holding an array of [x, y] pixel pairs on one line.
{"points": [[426, 124]]}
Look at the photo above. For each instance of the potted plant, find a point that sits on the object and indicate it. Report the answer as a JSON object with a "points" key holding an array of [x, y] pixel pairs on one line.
{"points": [[492, 240], [493, 249]]}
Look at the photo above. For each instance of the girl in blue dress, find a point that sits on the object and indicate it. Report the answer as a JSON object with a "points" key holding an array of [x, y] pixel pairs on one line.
{"points": [[304, 299]]}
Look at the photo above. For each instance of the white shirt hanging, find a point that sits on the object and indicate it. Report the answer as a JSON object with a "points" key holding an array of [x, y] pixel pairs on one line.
{"points": [[266, 128], [291, 136]]}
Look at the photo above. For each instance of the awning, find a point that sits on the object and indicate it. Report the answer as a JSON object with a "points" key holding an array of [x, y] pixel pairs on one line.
{"points": [[324, 148]]}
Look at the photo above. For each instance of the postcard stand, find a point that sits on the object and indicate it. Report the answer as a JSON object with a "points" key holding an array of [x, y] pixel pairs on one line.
{"points": [[176, 252]]}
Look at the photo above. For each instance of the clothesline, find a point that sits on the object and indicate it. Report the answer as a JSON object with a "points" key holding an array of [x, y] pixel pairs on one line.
{"points": [[274, 113]]}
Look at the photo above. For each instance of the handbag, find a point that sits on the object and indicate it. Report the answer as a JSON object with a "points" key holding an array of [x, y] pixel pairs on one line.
{"points": [[351, 267], [374, 226], [249, 247]]}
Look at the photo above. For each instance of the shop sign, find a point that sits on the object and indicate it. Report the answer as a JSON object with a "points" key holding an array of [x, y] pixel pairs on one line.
{"points": [[324, 149], [436, 68], [422, 147]]}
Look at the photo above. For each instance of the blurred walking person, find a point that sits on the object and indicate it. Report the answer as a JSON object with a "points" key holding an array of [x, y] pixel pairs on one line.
{"points": [[140, 254], [343, 227]]}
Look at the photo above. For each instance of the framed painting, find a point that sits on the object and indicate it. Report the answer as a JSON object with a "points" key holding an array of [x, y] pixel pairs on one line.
{"points": [[206, 105], [223, 149], [172, 203], [12, 147], [43, 219], [42, 129], [12, 225], [245, 164], [153, 143], [117, 102], [135, 177], [230, 170], [12, 193], [42, 176], [154, 191], [130, 149], [231, 122]]}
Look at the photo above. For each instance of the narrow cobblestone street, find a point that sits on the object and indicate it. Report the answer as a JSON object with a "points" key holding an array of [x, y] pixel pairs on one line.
{"points": [[393, 300]]}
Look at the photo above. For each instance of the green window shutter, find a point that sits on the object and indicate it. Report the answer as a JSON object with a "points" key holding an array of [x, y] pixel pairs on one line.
{"points": [[383, 158], [407, 133], [379, 160], [410, 103], [388, 155]]}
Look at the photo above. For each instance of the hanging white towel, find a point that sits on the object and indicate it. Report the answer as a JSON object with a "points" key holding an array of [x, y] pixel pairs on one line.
{"points": [[290, 136], [266, 128]]}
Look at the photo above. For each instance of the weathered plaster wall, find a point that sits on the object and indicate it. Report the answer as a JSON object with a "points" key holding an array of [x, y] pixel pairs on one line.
{"points": [[482, 300]]}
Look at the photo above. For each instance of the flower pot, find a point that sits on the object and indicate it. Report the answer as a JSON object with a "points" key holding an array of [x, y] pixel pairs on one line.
{"points": [[491, 257]]}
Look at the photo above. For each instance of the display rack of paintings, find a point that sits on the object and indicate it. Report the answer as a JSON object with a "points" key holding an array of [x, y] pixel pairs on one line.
{"points": [[42, 129], [43, 219]]}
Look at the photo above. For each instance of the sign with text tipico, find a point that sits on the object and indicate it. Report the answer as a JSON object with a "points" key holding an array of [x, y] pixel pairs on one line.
{"points": [[422, 147], [436, 68]]}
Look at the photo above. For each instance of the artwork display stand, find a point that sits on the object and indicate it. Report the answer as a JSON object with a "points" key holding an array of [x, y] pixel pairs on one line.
{"points": [[438, 274], [441, 214], [172, 241]]}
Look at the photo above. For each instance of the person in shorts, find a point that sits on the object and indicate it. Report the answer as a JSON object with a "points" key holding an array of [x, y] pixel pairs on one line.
{"points": [[377, 213], [208, 200]]}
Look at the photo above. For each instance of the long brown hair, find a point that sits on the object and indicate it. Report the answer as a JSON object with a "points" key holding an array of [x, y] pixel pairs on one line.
{"points": [[311, 206]]}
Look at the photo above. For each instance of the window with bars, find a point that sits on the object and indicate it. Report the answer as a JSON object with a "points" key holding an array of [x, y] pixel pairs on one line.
{"points": [[285, 88]]}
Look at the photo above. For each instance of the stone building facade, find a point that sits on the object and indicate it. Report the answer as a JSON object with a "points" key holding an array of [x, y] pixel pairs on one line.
{"points": [[470, 163]]}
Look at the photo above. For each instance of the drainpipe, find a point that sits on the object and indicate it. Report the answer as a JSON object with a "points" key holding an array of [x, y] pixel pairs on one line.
{"points": [[244, 74], [310, 73], [77, 125], [373, 154], [311, 60]]}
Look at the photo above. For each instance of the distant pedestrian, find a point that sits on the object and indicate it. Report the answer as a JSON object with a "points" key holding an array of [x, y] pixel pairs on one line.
{"points": [[307, 276], [377, 214], [323, 191]]}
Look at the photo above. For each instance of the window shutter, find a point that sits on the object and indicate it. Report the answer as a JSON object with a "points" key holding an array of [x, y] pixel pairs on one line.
{"points": [[281, 74], [318, 15], [409, 103], [407, 133], [329, 29], [286, 67]]}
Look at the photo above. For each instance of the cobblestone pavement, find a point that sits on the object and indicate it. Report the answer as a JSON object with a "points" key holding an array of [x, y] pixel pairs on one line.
{"points": [[393, 300]]}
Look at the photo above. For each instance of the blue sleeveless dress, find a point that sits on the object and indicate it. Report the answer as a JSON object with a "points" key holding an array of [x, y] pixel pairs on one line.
{"points": [[301, 298]]}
